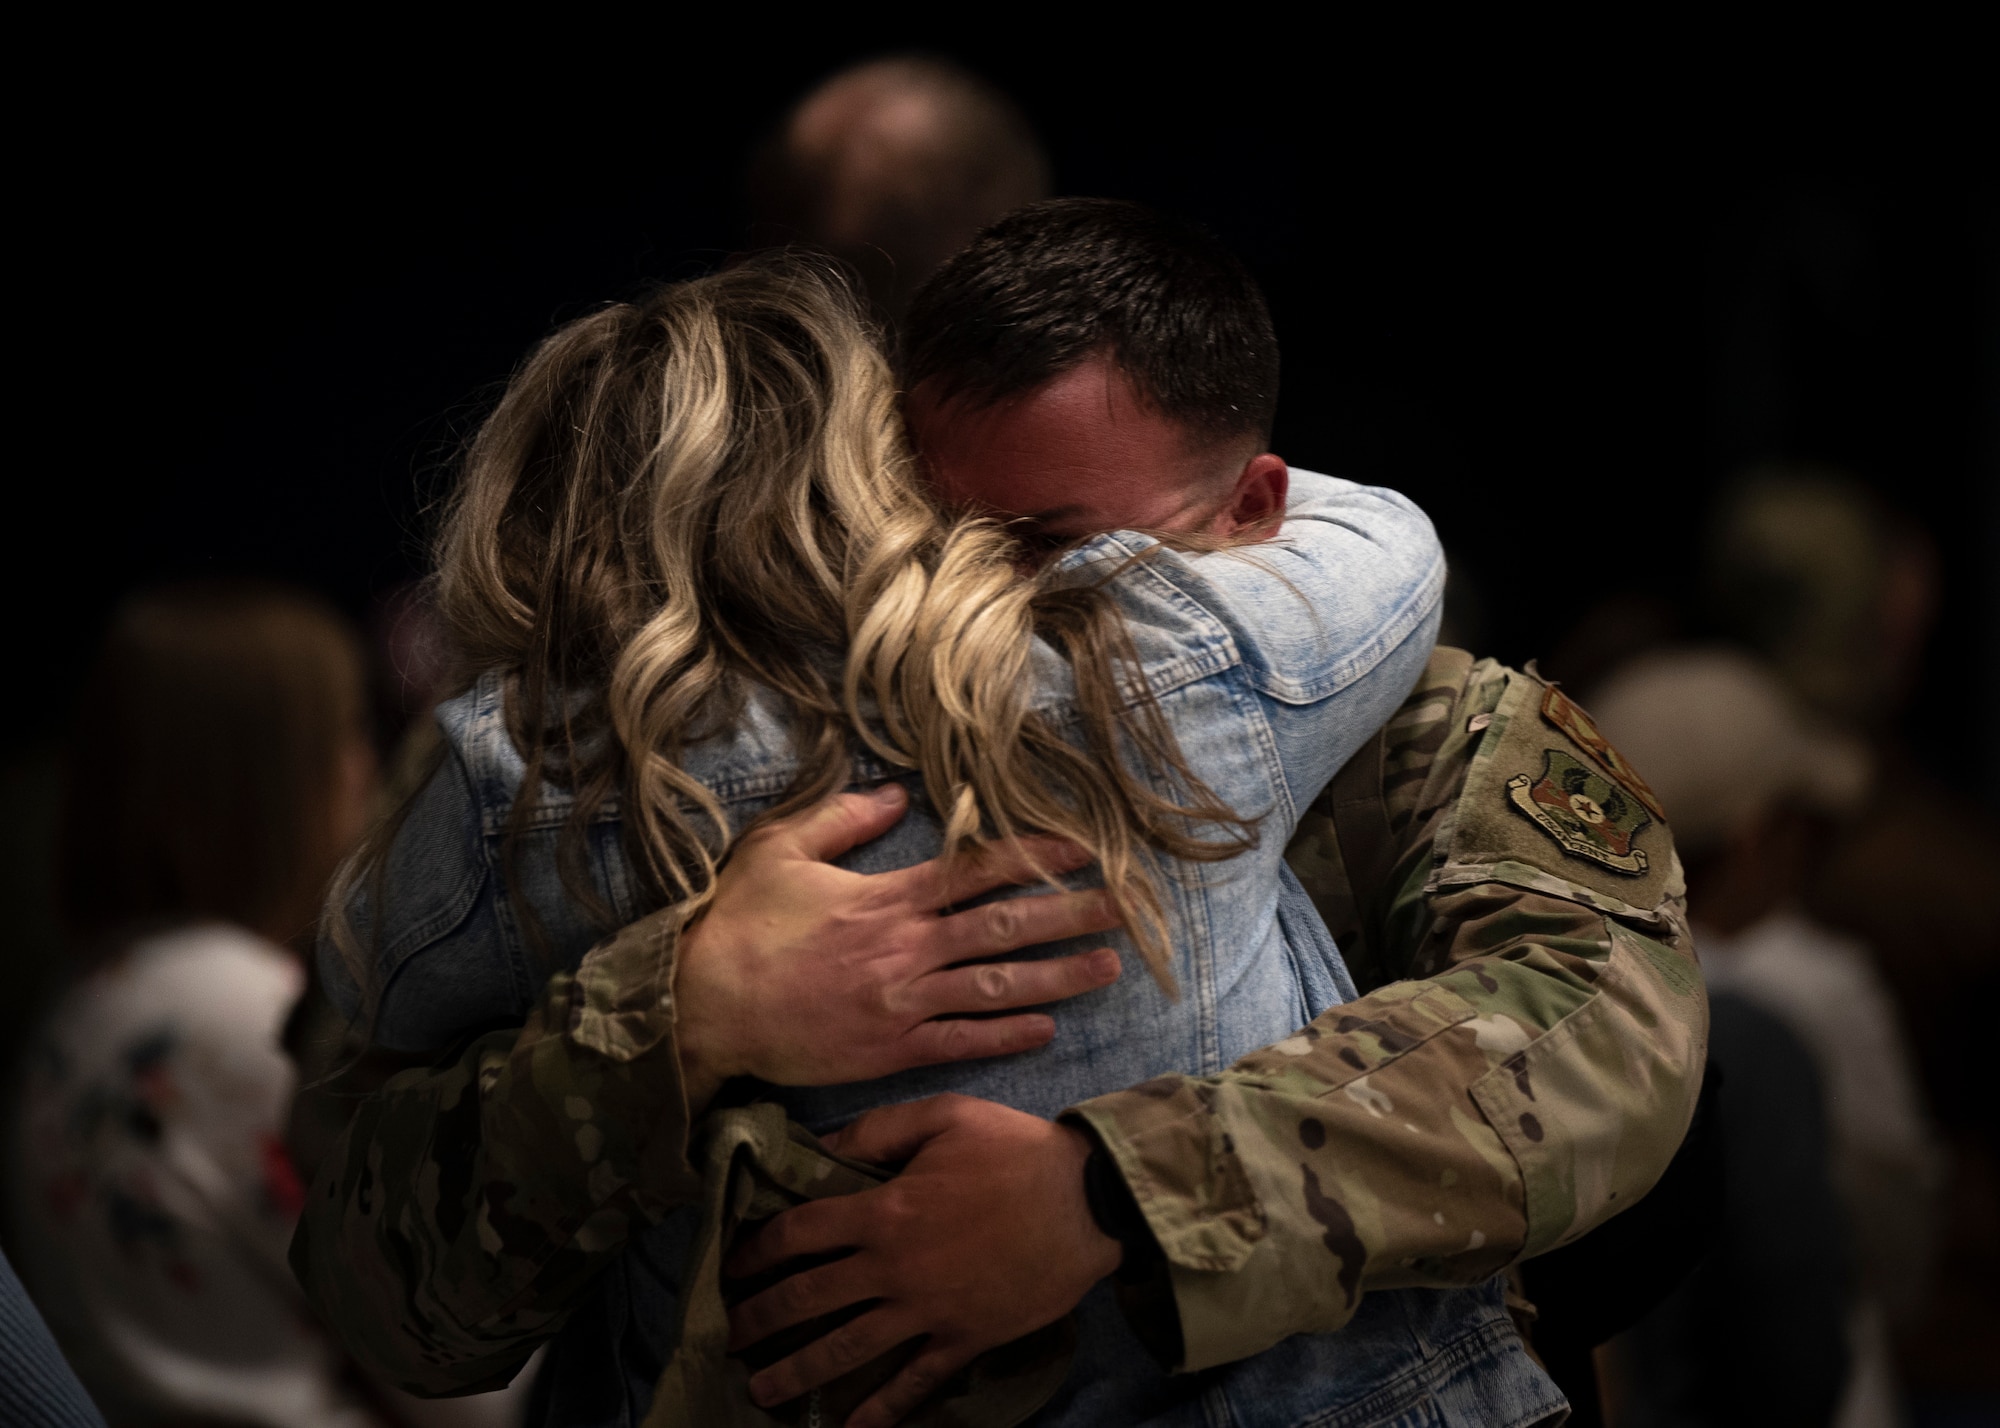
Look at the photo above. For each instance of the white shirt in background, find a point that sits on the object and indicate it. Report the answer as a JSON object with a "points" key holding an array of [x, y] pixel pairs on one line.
{"points": [[156, 1200], [1887, 1164]]}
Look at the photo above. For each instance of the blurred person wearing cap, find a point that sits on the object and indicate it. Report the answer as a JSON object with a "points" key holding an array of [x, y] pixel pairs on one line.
{"points": [[1839, 591], [1753, 784], [892, 166]]}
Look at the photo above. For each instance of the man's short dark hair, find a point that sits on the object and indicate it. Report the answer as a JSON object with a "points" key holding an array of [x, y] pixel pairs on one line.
{"points": [[1052, 283]]}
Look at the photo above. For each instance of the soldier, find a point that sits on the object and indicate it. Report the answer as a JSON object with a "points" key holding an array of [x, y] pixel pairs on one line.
{"points": [[1523, 1067], [1506, 894]]}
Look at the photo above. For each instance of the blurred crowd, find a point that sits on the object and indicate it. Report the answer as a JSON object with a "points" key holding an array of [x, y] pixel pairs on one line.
{"points": [[1848, 940], [234, 737]]}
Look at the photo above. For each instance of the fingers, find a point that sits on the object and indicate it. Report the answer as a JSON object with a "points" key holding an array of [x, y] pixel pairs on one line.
{"points": [[815, 1227], [990, 866], [853, 1344], [1017, 922], [895, 1133], [995, 986], [798, 1298], [933, 1043], [921, 1377], [842, 821]]}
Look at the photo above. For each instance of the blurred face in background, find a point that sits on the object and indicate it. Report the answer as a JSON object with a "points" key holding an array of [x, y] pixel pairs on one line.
{"points": [[220, 767], [357, 779]]}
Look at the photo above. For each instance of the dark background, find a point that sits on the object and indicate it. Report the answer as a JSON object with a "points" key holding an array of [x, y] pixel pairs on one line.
{"points": [[1558, 303]]}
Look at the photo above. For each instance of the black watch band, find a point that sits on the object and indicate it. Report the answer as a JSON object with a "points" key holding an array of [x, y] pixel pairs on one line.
{"points": [[1115, 1210]]}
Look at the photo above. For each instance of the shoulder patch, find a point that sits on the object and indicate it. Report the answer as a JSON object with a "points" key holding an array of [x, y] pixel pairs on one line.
{"points": [[1567, 715], [1587, 814]]}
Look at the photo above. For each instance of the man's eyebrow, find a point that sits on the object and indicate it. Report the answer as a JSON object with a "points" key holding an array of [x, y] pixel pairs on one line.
{"points": [[1053, 513]]}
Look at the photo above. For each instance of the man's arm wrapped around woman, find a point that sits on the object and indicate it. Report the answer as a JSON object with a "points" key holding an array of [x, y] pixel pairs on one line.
{"points": [[1523, 1067], [473, 1191], [1523, 1064], [456, 1220]]}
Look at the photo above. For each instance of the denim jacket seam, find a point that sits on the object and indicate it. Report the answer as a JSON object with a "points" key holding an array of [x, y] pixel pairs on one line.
{"points": [[1205, 646], [452, 910], [1416, 608], [428, 931], [1485, 1335]]}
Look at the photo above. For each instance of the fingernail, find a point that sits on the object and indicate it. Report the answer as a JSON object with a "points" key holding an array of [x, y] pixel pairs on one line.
{"points": [[889, 794], [1104, 964]]}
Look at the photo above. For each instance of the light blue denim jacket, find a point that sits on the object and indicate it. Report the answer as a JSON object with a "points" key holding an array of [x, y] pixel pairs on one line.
{"points": [[1272, 665]]}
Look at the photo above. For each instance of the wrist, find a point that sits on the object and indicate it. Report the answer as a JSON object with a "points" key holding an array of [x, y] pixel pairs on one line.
{"points": [[699, 1082], [703, 1042]]}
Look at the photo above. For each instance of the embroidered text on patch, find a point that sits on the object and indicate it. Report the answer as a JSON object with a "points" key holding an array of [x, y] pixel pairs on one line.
{"points": [[1587, 814], [1567, 715]]}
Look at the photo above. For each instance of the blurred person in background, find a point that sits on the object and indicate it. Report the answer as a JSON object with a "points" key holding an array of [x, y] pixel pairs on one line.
{"points": [[892, 166], [1838, 591], [411, 662], [220, 767], [1752, 787]]}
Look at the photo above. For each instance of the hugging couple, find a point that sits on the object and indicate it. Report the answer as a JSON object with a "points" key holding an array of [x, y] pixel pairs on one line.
{"points": [[748, 986]]}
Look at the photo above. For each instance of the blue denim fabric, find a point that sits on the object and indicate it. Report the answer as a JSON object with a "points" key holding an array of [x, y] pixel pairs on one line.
{"points": [[1273, 665]]}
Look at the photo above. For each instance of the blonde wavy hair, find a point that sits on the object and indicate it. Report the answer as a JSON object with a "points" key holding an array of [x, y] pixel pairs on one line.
{"points": [[709, 489]]}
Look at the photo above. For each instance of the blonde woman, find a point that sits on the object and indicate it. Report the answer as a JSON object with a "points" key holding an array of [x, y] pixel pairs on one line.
{"points": [[700, 585]]}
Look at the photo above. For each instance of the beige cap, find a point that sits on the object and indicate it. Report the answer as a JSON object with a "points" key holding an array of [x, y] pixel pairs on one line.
{"points": [[1721, 741]]}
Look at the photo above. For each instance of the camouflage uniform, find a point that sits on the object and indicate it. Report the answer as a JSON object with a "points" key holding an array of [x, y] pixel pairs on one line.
{"points": [[1534, 1082], [1524, 1069], [454, 1223]]}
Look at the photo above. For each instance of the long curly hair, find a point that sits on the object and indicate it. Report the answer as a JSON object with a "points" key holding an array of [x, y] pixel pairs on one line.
{"points": [[682, 497]]}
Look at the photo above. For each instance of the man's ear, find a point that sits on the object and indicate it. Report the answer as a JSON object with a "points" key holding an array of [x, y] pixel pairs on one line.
{"points": [[1259, 496]]}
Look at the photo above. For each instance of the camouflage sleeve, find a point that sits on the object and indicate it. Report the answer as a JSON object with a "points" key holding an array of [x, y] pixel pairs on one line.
{"points": [[452, 1225], [1524, 1063]]}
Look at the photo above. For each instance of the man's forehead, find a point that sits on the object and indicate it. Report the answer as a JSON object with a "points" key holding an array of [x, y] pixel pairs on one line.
{"points": [[1087, 413], [1037, 448], [1094, 390], [1080, 453]]}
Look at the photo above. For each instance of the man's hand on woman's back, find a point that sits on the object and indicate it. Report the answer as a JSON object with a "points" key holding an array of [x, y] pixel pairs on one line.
{"points": [[502, 1177], [804, 974], [984, 1236]]}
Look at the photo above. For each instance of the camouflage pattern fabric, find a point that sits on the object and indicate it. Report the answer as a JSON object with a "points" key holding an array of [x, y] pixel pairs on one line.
{"points": [[757, 1164], [455, 1223], [1524, 1067]]}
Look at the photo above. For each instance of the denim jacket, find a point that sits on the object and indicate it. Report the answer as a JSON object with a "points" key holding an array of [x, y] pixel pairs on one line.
{"points": [[1272, 665]]}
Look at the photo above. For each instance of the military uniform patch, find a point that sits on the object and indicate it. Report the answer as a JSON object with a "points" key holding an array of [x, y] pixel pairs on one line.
{"points": [[1588, 815], [1563, 712]]}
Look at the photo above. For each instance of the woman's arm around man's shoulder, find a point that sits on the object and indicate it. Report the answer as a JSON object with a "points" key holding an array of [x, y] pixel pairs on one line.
{"points": [[1327, 623]]}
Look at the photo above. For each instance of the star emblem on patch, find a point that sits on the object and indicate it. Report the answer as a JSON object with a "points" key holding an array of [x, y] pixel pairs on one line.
{"points": [[1587, 814]]}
